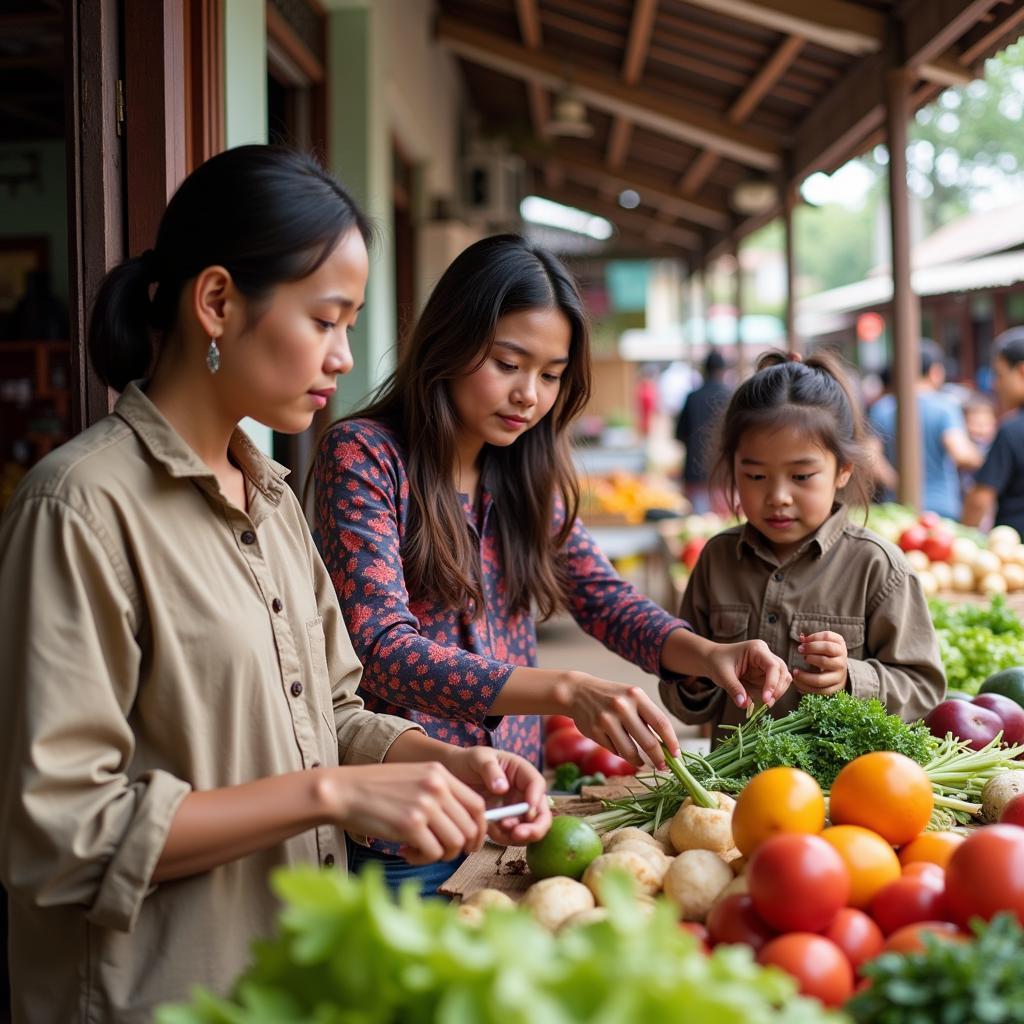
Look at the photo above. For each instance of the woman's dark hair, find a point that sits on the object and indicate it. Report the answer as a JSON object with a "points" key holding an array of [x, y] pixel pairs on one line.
{"points": [[1010, 346], [494, 277], [813, 395], [267, 214]]}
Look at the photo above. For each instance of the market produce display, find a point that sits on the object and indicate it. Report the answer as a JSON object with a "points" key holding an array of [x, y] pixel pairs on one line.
{"points": [[821, 736], [346, 951], [629, 497]]}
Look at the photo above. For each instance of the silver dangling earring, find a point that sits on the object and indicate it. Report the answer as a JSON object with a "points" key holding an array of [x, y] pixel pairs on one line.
{"points": [[213, 356]]}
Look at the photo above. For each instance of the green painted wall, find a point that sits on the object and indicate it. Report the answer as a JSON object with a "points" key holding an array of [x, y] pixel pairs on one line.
{"points": [[360, 155], [245, 108]]}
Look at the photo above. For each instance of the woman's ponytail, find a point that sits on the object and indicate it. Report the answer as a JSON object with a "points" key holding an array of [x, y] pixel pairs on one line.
{"points": [[120, 338]]}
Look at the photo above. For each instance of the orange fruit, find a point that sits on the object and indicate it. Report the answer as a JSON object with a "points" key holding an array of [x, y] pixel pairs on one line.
{"points": [[885, 792], [569, 846], [871, 861], [776, 800], [933, 847]]}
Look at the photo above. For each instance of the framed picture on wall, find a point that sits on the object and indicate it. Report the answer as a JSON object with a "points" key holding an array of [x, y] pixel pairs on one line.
{"points": [[19, 257]]}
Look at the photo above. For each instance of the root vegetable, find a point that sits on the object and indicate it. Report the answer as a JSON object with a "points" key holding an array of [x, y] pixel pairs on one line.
{"points": [[694, 881], [644, 873], [629, 835], [652, 854], [999, 791], [703, 828], [738, 886], [470, 914], [485, 898], [985, 563], [552, 900], [943, 573], [965, 551], [963, 578], [918, 560], [992, 583], [929, 584]]}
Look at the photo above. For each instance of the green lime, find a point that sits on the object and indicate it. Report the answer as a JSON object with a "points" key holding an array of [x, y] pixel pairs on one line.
{"points": [[1009, 683], [570, 845]]}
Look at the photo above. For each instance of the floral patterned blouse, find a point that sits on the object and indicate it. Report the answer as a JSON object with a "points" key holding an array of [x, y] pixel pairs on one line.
{"points": [[438, 666]]}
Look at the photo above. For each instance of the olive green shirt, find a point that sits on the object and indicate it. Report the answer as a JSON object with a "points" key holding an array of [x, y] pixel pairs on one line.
{"points": [[157, 640], [843, 578]]}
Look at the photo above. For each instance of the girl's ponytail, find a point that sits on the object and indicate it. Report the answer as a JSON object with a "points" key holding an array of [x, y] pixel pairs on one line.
{"points": [[120, 340]]}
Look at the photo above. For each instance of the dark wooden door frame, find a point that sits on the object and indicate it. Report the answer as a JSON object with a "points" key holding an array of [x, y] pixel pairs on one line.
{"points": [[94, 182]]}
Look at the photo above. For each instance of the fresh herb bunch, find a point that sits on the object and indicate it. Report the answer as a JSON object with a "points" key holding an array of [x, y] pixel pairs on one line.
{"points": [[976, 641], [347, 953], [977, 982]]}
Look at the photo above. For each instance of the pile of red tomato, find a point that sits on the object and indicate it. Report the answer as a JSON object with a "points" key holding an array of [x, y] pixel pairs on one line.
{"points": [[565, 743], [821, 902]]}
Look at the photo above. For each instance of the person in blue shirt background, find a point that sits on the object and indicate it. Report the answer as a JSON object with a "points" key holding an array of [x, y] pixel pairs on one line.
{"points": [[945, 446]]}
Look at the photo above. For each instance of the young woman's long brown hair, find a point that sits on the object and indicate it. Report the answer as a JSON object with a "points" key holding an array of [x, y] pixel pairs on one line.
{"points": [[494, 277]]}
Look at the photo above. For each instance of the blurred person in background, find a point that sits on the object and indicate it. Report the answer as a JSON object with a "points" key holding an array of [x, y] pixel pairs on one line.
{"points": [[695, 426], [945, 446], [999, 484]]}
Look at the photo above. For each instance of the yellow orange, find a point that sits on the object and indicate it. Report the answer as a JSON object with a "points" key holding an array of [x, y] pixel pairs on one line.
{"points": [[776, 800], [871, 861], [933, 847]]}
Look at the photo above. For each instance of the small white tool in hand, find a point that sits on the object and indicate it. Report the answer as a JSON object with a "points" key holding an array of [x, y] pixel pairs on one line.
{"points": [[508, 811]]}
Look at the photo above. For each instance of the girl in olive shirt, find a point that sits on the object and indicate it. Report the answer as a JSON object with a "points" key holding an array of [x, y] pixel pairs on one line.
{"points": [[180, 713], [840, 604]]}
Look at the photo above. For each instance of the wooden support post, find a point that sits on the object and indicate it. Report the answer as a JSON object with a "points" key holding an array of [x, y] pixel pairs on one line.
{"points": [[741, 361], [788, 206], [906, 314]]}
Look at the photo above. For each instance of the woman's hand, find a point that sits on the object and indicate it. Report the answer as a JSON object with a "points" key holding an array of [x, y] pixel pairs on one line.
{"points": [[748, 668], [422, 805], [621, 718], [505, 778], [826, 652]]}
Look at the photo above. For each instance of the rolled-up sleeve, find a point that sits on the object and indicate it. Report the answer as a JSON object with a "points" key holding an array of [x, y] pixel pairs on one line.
{"points": [[905, 671], [76, 829]]}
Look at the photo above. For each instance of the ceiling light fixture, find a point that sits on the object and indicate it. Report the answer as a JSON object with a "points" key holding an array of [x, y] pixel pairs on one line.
{"points": [[569, 115]]}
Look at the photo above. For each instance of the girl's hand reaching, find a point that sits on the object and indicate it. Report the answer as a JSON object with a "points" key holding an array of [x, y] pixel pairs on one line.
{"points": [[826, 653], [502, 777], [748, 668]]}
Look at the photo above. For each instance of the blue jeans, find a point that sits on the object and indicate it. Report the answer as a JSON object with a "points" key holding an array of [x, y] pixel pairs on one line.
{"points": [[397, 870]]}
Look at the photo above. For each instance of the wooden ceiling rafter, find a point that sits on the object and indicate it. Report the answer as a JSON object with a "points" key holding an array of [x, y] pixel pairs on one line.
{"points": [[642, 106], [528, 17], [637, 46]]}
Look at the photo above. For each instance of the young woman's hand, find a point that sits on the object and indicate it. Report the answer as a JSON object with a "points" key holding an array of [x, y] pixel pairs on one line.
{"points": [[422, 805], [622, 719], [748, 668], [826, 652], [505, 778]]}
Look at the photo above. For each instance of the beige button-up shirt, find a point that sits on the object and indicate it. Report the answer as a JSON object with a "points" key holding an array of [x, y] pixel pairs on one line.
{"points": [[157, 640], [843, 578]]}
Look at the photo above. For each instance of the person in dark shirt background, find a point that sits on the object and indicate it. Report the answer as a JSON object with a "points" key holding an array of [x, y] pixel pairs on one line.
{"points": [[694, 430], [999, 484]]}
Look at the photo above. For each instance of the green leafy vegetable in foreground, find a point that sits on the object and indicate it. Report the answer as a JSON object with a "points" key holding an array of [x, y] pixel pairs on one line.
{"points": [[346, 953], [955, 982]]}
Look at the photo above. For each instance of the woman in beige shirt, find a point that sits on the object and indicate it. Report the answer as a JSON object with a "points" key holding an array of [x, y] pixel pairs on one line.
{"points": [[840, 604], [180, 713]]}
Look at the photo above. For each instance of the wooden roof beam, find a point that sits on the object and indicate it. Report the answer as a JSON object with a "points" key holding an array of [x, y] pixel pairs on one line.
{"points": [[639, 43], [835, 24], [537, 99], [758, 87], [697, 211], [644, 107], [931, 27]]}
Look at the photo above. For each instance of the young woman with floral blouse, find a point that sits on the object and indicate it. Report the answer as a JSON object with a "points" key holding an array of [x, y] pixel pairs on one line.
{"points": [[446, 515]]}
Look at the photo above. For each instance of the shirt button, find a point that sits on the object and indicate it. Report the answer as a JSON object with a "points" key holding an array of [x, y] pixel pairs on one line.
{"points": [[772, 619], [248, 537], [329, 861], [778, 577], [276, 604], [296, 689]]}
